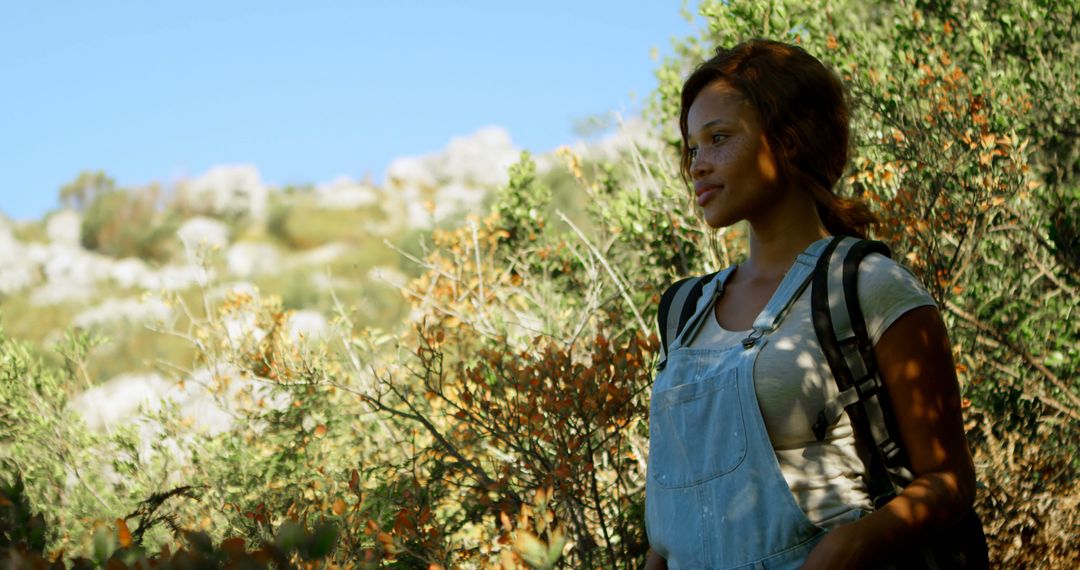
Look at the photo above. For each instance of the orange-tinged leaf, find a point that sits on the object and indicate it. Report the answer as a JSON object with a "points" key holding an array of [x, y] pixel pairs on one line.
{"points": [[320, 430], [386, 541], [402, 522], [339, 507], [123, 535]]}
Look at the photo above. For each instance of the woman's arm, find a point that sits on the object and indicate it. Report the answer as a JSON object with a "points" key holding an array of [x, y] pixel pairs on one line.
{"points": [[915, 360]]}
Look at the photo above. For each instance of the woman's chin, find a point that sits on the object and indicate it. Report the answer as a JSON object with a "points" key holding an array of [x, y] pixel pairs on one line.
{"points": [[717, 220]]}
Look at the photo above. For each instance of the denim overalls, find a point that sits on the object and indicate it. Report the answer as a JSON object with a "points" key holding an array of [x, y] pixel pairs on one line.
{"points": [[715, 496]]}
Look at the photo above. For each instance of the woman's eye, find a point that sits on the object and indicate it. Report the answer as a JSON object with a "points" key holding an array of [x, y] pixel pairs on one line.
{"points": [[693, 151], [718, 137]]}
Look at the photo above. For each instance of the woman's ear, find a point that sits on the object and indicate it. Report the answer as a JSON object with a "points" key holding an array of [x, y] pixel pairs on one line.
{"points": [[786, 144]]}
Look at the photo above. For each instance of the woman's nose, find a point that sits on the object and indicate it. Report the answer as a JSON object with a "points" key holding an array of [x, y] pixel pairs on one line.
{"points": [[699, 167]]}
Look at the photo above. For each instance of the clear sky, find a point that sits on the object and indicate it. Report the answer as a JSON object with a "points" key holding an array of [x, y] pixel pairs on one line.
{"points": [[307, 91]]}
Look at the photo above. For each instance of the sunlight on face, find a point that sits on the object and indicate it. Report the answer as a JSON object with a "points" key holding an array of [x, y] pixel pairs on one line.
{"points": [[734, 171]]}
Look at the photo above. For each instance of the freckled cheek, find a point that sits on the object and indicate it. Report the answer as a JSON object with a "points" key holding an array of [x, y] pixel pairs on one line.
{"points": [[721, 157]]}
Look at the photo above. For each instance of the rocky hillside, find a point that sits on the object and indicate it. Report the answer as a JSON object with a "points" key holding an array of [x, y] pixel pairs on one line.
{"points": [[135, 277]]}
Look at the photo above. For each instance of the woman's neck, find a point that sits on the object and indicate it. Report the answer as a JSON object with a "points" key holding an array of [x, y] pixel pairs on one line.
{"points": [[778, 238]]}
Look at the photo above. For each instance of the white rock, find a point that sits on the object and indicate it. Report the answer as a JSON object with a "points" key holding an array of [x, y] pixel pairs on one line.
{"points": [[207, 399], [455, 198], [412, 171], [65, 228], [345, 194], [10, 246], [226, 190], [200, 232], [130, 272], [57, 292], [312, 324], [630, 133], [178, 277], [454, 181], [117, 400], [18, 271], [70, 273], [73, 265], [417, 215], [131, 310], [246, 259], [240, 328], [481, 159]]}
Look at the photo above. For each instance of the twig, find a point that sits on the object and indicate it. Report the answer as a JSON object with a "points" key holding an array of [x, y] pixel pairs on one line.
{"points": [[611, 272], [974, 321], [479, 269]]}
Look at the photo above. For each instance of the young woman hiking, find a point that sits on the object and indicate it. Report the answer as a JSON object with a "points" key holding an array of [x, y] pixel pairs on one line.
{"points": [[736, 476]]}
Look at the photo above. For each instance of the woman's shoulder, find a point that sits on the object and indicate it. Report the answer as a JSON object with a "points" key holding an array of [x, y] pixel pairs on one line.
{"points": [[888, 289]]}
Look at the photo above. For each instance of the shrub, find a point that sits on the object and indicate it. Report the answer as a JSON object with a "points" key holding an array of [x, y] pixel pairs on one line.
{"points": [[127, 223]]}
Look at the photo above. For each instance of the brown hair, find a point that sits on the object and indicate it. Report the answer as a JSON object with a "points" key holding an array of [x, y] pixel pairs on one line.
{"points": [[804, 114]]}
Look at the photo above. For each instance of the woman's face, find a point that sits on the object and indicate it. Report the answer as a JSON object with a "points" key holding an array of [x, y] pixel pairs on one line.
{"points": [[734, 172]]}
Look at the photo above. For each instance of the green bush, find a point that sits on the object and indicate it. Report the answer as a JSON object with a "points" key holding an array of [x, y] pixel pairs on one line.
{"points": [[128, 223], [301, 224]]}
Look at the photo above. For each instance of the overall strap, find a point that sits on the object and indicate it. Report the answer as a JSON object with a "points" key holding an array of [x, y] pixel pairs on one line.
{"points": [[841, 330], [791, 287]]}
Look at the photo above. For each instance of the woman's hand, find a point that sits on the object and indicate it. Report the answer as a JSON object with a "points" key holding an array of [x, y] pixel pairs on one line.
{"points": [[839, 549], [653, 561]]}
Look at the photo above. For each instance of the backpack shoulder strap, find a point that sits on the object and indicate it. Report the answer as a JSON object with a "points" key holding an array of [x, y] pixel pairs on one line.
{"points": [[677, 306], [841, 331], [676, 296]]}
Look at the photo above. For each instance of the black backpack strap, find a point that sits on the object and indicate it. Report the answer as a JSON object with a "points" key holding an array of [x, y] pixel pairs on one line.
{"points": [[677, 306], [841, 331], [676, 295]]}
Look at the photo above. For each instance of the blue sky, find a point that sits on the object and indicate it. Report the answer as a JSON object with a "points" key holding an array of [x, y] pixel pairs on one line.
{"points": [[306, 91]]}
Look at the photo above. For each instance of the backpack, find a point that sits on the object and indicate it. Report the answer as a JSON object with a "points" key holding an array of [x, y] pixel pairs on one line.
{"points": [[841, 331]]}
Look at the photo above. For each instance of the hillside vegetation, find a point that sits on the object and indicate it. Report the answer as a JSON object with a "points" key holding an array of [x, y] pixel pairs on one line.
{"points": [[483, 404]]}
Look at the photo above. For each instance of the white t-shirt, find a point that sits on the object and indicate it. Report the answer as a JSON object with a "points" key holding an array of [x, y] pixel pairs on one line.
{"points": [[793, 383]]}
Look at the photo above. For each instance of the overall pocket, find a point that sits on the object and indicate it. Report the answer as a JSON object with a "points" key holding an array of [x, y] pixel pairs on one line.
{"points": [[696, 431]]}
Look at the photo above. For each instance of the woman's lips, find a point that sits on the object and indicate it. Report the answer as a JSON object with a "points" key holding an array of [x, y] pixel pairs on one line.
{"points": [[705, 194]]}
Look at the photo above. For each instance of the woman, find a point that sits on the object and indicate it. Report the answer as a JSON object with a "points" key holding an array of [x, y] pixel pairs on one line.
{"points": [[736, 476]]}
